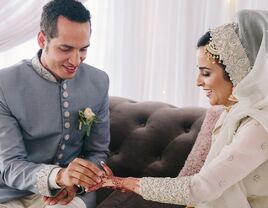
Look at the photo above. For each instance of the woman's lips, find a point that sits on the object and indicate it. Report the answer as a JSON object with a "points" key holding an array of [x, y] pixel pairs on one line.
{"points": [[208, 93]]}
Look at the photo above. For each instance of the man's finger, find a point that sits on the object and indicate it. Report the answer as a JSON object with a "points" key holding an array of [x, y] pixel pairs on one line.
{"points": [[89, 166], [79, 177], [60, 196]]}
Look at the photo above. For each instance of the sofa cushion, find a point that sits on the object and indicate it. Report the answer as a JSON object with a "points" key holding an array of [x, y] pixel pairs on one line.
{"points": [[131, 200], [149, 139]]}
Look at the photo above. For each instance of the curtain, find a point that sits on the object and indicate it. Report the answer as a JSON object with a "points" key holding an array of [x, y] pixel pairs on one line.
{"points": [[146, 46]]}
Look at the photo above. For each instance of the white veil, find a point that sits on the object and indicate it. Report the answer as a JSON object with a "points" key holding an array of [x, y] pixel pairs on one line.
{"points": [[252, 94]]}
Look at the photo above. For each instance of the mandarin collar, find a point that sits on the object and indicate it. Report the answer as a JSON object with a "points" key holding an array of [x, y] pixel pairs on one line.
{"points": [[41, 70]]}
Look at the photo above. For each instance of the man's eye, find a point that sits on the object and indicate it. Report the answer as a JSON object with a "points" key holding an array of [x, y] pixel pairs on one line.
{"points": [[65, 49], [83, 49]]}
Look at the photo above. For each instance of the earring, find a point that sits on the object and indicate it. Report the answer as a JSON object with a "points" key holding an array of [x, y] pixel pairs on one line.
{"points": [[232, 98]]}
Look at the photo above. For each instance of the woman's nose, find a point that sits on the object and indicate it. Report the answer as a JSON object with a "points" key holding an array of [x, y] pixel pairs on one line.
{"points": [[199, 81]]}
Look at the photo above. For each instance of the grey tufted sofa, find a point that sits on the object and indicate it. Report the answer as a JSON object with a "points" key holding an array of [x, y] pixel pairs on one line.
{"points": [[147, 139]]}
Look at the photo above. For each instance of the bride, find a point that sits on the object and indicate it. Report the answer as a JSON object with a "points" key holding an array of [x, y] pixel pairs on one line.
{"points": [[233, 70]]}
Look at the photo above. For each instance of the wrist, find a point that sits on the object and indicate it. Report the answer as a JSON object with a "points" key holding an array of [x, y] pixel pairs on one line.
{"points": [[131, 184], [59, 178]]}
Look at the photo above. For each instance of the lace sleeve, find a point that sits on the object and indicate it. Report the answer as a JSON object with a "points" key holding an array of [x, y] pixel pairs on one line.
{"points": [[166, 190]]}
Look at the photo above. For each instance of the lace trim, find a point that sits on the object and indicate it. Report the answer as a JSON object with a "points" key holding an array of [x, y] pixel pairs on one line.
{"points": [[226, 44], [42, 180], [166, 190], [42, 71]]}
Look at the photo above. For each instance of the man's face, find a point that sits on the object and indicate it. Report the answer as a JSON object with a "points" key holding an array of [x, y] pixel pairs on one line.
{"points": [[63, 54]]}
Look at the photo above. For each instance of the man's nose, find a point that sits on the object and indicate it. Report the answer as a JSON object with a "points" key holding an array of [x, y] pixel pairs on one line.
{"points": [[75, 58]]}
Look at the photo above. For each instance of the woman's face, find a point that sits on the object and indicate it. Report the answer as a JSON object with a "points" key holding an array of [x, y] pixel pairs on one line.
{"points": [[211, 79]]}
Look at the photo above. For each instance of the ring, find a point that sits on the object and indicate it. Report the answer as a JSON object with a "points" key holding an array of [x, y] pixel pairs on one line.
{"points": [[66, 192]]}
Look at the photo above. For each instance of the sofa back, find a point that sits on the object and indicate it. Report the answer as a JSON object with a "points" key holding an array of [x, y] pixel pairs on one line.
{"points": [[151, 138]]}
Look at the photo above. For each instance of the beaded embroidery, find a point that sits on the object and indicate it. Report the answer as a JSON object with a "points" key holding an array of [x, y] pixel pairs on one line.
{"points": [[42, 71], [167, 190], [225, 46], [42, 179]]}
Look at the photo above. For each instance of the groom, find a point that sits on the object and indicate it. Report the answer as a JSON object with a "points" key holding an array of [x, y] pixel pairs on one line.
{"points": [[45, 158]]}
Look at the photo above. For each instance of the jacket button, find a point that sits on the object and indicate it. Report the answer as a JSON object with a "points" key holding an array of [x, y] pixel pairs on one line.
{"points": [[67, 125], [65, 94], [66, 114], [65, 104], [67, 137]]}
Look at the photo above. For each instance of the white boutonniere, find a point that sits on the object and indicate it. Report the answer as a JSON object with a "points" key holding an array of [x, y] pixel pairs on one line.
{"points": [[86, 119]]}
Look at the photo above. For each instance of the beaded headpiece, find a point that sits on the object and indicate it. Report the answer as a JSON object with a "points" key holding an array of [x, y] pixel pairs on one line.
{"points": [[226, 47]]}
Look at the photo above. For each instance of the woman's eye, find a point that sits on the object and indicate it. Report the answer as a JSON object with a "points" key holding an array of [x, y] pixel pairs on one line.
{"points": [[205, 74]]}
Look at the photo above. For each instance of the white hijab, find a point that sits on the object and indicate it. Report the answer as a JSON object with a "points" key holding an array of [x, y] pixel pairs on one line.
{"points": [[251, 91]]}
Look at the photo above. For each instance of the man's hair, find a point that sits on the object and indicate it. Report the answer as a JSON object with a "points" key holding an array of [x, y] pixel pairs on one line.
{"points": [[71, 9]]}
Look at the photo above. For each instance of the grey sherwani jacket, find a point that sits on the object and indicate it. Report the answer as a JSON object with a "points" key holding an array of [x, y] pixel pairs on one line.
{"points": [[39, 128]]}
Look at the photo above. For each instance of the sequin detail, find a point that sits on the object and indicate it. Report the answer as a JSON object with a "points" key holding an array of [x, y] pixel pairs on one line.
{"points": [[225, 44], [41, 70], [42, 179], [167, 190]]}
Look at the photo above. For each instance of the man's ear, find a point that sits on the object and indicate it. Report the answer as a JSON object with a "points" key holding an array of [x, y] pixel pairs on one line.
{"points": [[41, 39]]}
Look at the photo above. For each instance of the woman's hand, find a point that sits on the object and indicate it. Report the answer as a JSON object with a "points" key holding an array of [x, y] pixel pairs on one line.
{"points": [[111, 181]]}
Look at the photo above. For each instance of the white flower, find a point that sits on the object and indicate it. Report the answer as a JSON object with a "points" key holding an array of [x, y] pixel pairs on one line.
{"points": [[86, 119], [89, 115]]}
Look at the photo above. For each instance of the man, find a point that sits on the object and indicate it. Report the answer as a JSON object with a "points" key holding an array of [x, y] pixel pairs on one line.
{"points": [[45, 158]]}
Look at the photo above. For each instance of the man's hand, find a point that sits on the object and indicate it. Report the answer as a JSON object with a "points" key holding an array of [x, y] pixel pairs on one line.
{"points": [[79, 172], [111, 181], [65, 196]]}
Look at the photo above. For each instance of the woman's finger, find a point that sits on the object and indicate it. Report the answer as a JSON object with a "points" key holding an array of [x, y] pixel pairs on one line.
{"points": [[107, 170]]}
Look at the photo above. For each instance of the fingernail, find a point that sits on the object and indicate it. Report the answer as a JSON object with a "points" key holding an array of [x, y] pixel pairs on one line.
{"points": [[102, 163]]}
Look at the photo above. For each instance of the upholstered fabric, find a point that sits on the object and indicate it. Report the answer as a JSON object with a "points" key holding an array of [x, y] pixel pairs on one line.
{"points": [[148, 139]]}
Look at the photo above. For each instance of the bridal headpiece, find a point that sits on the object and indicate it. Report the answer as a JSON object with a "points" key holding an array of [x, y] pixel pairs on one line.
{"points": [[226, 47]]}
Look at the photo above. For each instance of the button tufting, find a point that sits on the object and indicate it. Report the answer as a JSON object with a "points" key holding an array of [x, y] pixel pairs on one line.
{"points": [[142, 124]]}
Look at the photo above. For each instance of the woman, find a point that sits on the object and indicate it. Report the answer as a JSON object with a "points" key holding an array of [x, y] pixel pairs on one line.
{"points": [[233, 71]]}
